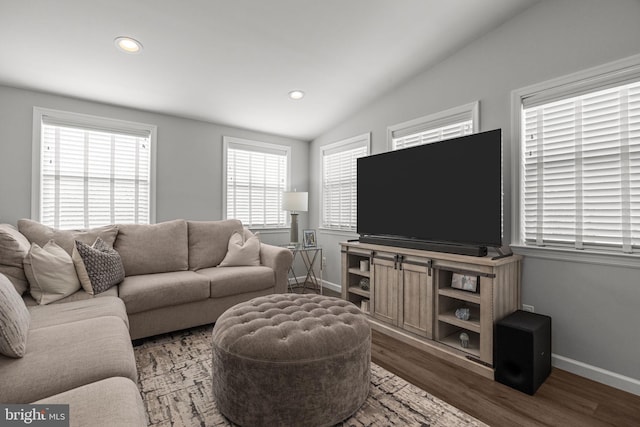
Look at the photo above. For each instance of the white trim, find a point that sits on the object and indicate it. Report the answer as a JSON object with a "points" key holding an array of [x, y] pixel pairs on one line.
{"points": [[325, 284], [94, 122], [330, 285], [343, 142], [230, 140], [594, 373], [564, 86], [619, 70], [439, 119], [583, 256], [152, 174], [364, 137], [349, 234]]}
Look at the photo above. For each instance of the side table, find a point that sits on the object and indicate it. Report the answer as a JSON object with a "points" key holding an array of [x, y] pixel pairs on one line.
{"points": [[310, 256]]}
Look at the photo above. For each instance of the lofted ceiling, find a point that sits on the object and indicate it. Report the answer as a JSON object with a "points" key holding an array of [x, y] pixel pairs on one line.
{"points": [[233, 62]]}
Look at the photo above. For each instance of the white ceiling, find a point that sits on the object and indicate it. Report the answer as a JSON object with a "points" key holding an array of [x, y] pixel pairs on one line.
{"points": [[233, 62]]}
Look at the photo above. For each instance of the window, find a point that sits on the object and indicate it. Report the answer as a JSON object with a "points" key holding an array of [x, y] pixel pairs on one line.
{"points": [[256, 175], [580, 161], [91, 171], [447, 124], [339, 182]]}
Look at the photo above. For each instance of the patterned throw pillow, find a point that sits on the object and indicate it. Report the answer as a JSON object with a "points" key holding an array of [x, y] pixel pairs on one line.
{"points": [[99, 266], [14, 320]]}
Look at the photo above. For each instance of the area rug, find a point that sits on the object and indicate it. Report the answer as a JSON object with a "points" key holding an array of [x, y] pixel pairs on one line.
{"points": [[174, 377]]}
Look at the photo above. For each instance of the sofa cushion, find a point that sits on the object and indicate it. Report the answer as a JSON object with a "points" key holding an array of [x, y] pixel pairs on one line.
{"points": [[99, 266], [208, 241], [13, 248], [63, 357], [14, 320], [110, 402], [241, 251], [81, 295], [41, 234], [51, 273], [43, 316], [153, 248], [227, 281], [149, 291]]}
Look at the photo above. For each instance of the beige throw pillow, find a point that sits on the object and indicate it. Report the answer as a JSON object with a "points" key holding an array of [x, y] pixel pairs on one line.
{"points": [[51, 273], [14, 320], [13, 248], [241, 252]]}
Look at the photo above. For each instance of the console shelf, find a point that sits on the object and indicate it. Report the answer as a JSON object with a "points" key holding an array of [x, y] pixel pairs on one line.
{"points": [[358, 291], [461, 295], [410, 297]]}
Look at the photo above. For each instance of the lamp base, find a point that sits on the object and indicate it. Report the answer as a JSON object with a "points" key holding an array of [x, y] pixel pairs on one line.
{"points": [[294, 229]]}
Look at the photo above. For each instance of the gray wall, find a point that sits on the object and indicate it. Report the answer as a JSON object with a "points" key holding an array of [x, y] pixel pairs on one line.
{"points": [[594, 308], [189, 158]]}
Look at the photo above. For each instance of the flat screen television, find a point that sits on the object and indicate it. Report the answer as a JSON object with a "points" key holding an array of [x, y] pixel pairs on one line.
{"points": [[443, 196]]}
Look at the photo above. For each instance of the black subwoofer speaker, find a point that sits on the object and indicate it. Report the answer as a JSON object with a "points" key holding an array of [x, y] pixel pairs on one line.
{"points": [[522, 358]]}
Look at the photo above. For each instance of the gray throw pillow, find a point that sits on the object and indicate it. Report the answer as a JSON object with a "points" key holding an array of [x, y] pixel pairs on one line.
{"points": [[99, 267], [14, 320]]}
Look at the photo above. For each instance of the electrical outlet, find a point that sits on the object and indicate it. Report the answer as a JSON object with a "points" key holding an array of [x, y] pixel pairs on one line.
{"points": [[324, 262], [527, 307]]}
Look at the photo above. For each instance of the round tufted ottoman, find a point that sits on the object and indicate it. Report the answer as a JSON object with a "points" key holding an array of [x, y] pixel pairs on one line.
{"points": [[291, 360]]}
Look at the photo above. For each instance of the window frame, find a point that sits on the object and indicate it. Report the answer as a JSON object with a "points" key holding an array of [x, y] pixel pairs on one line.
{"points": [[437, 120], [90, 121], [600, 77], [261, 146], [365, 139]]}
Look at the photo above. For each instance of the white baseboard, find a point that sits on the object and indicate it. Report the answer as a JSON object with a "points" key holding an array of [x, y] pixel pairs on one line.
{"points": [[325, 284], [594, 373], [591, 372], [332, 286]]}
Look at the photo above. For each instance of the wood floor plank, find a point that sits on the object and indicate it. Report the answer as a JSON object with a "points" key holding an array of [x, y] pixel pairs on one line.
{"points": [[564, 399]]}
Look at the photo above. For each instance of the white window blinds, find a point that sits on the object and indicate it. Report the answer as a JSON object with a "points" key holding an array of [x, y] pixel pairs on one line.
{"points": [[256, 176], [447, 124], [92, 174], [339, 182], [433, 135], [581, 169]]}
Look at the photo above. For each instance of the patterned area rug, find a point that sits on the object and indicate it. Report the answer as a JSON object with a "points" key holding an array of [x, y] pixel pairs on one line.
{"points": [[174, 376]]}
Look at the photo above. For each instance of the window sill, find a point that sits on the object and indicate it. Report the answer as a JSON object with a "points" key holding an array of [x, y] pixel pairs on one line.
{"points": [[347, 233], [270, 230], [582, 256]]}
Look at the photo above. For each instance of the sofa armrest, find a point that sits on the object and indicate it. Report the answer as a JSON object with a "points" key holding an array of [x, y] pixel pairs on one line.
{"points": [[279, 259]]}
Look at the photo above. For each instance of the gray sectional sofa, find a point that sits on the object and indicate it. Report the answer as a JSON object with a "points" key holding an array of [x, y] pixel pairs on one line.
{"points": [[78, 348]]}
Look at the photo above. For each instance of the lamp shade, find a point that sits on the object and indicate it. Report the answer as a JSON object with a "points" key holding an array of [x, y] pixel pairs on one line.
{"points": [[295, 201]]}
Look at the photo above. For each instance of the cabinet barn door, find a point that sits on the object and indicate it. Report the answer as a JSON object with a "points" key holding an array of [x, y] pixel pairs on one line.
{"points": [[417, 300], [384, 290]]}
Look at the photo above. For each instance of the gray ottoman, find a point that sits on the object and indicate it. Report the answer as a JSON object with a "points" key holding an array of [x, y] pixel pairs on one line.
{"points": [[291, 360]]}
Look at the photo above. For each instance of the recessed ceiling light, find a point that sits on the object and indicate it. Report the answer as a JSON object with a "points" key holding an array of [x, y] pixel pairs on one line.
{"points": [[128, 45], [296, 94]]}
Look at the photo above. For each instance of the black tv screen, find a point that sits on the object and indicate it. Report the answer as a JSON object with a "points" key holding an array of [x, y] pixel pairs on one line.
{"points": [[444, 192]]}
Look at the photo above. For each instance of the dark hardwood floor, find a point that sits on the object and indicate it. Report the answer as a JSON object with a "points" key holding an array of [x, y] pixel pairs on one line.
{"points": [[564, 399]]}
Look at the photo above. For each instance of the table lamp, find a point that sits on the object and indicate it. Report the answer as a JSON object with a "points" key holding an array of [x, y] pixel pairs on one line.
{"points": [[294, 202]]}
